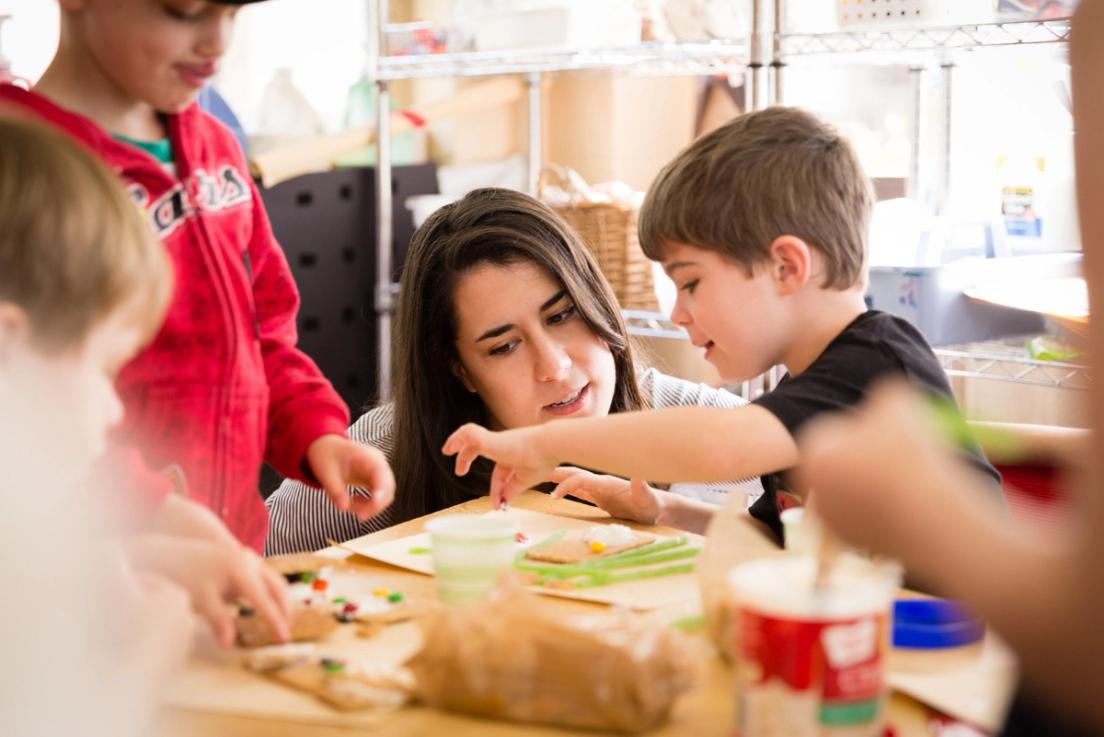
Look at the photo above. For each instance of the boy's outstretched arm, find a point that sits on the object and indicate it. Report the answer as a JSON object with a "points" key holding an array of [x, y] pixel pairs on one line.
{"points": [[666, 445]]}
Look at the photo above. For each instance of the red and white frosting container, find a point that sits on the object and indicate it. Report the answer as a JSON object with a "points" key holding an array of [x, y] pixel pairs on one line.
{"points": [[810, 662]]}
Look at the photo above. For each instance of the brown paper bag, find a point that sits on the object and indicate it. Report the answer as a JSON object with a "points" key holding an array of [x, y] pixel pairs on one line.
{"points": [[513, 658]]}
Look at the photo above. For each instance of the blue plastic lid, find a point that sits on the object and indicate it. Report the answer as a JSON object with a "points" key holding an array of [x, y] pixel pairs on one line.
{"points": [[930, 611], [933, 624], [934, 636]]}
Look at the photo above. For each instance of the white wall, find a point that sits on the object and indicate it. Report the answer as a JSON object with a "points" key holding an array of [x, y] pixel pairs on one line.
{"points": [[322, 41], [29, 39]]}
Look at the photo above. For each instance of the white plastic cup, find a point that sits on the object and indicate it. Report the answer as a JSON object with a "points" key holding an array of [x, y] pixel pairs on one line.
{"points": [[469, 553]]}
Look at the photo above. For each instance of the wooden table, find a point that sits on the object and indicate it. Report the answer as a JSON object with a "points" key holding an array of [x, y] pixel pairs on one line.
{"points": [[207, 700]]}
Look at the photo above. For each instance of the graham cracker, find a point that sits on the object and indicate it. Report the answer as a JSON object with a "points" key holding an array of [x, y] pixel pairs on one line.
{"points": [[573, 549], [308, 622], [347, 691]]}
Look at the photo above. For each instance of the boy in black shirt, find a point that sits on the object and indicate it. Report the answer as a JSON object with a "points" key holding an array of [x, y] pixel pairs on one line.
{"points": [[762, 224]]}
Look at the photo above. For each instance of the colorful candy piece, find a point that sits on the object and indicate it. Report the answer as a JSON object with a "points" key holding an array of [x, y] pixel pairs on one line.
{"points": [[597, 546], [381, 591], [319, 584], [349, 607], [521, 538], [333, 665], [395, 596], [340, 600]]}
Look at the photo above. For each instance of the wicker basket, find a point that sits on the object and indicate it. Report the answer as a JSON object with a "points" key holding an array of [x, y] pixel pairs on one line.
{"points": [[609, 230]]}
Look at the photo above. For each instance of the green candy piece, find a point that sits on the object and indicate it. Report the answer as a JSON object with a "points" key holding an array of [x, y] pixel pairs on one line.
{"points": [[1005, 445], [692, 623], [417, 550], [333, 666], [395, 596], [340, 600], [308, 576]]}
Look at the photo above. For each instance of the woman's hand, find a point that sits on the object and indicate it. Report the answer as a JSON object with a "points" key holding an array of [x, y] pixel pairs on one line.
{"points": [[632, 500], [519, 465], [338, 463]]}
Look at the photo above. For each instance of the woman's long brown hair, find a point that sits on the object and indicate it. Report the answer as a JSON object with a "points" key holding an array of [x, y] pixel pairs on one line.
{"points": [[495, 226]]}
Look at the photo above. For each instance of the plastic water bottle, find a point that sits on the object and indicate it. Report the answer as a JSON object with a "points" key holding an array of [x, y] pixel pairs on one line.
{"points": [[285, 114], [360, 109]]}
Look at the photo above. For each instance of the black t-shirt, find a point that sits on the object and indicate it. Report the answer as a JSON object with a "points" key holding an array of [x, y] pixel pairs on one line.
{"points": [[873, 346]]}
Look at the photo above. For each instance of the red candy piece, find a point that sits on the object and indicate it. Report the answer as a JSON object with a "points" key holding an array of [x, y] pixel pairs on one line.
{"points": [[319, 584], [349, 608], [521, 538]]}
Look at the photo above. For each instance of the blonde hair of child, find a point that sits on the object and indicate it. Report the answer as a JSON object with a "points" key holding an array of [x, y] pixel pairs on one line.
{"points": [[74, 248]]}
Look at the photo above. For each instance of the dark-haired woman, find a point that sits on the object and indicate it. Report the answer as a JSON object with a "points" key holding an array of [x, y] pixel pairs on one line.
{"points": [[504, 319]]}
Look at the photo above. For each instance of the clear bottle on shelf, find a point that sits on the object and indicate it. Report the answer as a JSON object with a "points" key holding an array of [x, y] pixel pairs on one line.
{"points": [[285, 115], [360, 110]]}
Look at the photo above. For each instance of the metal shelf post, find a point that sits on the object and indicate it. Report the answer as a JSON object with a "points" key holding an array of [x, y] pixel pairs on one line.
{"points": [[533, 125], [384, 296]]}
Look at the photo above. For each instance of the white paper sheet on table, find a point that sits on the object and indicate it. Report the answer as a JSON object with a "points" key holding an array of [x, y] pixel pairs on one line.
{"points": [[647, 593]]}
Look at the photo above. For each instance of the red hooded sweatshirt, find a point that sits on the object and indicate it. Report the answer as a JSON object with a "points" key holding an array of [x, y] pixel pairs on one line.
{"points": [[222, 387]]}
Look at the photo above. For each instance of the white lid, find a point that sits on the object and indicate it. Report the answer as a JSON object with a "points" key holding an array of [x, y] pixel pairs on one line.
{"points": [[473, 527]]}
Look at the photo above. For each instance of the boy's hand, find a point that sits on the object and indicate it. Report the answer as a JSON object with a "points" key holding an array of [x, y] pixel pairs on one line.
{"points": [[632, 500], [519, 466], [159, 625], [339, 463], [217, 576]]}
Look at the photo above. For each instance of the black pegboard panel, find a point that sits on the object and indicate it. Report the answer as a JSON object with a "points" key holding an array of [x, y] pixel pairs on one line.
{"points": [[327, 227]]}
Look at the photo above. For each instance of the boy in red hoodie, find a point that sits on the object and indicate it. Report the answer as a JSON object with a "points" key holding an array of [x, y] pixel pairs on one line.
{"points": [[223, 386]]}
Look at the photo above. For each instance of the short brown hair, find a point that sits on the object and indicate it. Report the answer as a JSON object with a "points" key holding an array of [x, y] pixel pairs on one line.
{"points": [[73, 246], [779, 171]]}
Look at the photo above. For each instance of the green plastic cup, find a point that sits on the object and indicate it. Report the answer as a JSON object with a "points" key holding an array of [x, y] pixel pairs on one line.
{"points": [[469, 553]]}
